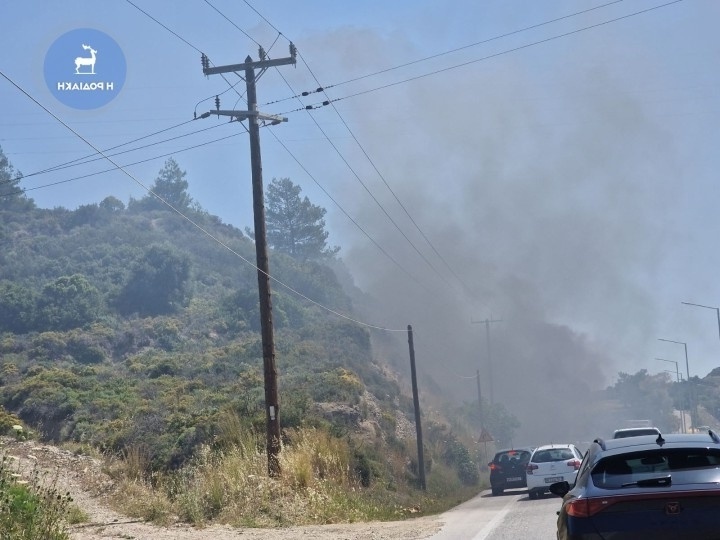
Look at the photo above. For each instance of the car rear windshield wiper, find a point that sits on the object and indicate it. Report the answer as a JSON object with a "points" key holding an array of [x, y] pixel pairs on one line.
{"points": [[660, 481]]}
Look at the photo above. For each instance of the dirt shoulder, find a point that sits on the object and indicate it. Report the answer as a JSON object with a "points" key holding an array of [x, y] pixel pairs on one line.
{"points": [[90, 488]]}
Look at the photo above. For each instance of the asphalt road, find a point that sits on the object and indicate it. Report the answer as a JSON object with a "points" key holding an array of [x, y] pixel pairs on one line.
{"points": [[510, 516]]}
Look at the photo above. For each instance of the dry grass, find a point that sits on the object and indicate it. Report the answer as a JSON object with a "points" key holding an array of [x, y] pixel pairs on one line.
{"points": [[232, 487]]}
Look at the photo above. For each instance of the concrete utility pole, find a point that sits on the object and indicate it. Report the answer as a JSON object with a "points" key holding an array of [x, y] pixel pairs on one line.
{"points": [[487, 322], [272, 402]]}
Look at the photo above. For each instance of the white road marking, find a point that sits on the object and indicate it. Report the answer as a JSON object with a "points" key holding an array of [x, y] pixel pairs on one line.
{"points": [[494, 522]]}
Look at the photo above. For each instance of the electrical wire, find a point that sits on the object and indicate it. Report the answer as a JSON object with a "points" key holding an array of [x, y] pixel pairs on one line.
{"points": [[438, 55], [96, 173], [357, 177], [76, 163], [235, 25], [363, 184], [68, 163], [367, 235], [397, 199], [374, 242], [176, 35], [488, 57]]}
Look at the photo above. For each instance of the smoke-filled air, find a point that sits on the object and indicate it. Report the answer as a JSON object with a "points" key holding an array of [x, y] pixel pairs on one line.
{"points": [[542, 185]]}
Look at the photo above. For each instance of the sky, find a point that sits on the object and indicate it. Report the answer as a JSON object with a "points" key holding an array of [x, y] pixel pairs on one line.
{"points": [[547, 164]]}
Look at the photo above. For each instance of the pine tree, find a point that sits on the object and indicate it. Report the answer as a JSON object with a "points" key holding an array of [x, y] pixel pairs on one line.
{"points": [[294, 225], [12, 196], [170, 186]]}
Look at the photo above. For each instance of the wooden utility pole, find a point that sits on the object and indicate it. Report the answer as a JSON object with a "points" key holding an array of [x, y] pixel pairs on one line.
{"points": [[480, 407], [416, 403], [272, 401], [487, 322]]}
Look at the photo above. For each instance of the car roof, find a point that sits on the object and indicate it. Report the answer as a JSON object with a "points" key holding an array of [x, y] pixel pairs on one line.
{"points": [[554, 445], [649, 442], [520, 449]]}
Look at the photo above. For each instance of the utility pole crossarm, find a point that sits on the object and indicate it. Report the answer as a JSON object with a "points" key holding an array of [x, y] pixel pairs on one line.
{"points": [[244, 115], [249, 64]]}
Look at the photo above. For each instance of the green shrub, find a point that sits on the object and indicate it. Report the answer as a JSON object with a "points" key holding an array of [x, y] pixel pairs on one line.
{"points": [[30, 508]]}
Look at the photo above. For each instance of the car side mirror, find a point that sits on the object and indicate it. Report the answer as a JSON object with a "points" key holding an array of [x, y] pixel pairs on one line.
{"points": [[559, 488]]}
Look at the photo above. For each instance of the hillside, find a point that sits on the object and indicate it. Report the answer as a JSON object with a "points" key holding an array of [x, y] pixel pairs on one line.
{"points": [[132, 332], [90, 360]]}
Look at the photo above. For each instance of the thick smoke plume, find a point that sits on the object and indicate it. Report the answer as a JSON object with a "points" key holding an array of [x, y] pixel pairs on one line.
{"points": [[541, 181]]}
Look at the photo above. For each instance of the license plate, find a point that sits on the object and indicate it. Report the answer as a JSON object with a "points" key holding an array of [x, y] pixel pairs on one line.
{"points": [[553, 479], [514, 478]]}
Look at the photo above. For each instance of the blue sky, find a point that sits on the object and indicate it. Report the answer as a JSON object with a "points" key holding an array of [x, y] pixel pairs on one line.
{"points": [[563, 173]]}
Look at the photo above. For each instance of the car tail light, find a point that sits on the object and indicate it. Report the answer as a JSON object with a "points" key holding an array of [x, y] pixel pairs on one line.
{"points": [[530, 468], [587, 507], [574, 463], [495, 467]]}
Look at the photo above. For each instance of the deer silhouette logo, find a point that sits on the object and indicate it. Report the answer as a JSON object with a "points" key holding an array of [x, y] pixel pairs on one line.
{"points": [[85, 61]]}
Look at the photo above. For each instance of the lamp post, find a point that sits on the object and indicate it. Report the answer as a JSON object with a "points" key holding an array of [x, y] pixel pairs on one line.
{"points": [[677, 375], [677, 370], [717, 311], [687, 367]]}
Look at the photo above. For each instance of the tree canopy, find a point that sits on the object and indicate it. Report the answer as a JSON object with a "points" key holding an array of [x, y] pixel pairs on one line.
{"points": [[157, 283], [645, 396], [12, 196], [170, 186], [294, 225]]}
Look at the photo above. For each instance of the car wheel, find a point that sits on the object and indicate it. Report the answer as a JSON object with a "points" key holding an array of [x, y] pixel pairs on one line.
{"points": [[497, 491], [533, 494]]}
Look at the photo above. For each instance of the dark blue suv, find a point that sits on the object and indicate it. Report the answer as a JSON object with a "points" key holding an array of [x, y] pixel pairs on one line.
{"points": [[648, 487]]}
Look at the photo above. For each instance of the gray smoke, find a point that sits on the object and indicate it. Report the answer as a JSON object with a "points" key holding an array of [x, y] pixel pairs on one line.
{"points": [[541, 180]]}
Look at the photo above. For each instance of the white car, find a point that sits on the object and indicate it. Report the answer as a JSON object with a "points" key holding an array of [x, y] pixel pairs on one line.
{"points": [[549, 464]]}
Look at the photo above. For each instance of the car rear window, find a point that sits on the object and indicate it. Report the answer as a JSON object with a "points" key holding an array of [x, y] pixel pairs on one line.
{"points": [[553, 454], [635, 432], [512, 455], [682, 464]]}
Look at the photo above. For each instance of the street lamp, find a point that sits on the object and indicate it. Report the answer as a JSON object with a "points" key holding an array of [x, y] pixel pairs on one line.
{"points": [[678, 375], [717, 311], [677, 370], [691, 401], [687, 365]]}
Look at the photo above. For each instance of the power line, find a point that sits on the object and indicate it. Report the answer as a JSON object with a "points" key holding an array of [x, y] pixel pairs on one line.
{"points": [[196, 225], [68, 180], [357, 177], [176, 35], [235, 25], [68, 163], [367, 235], [488, 57], [438, 55], [91, 158], [397, 199], [364, 185]]}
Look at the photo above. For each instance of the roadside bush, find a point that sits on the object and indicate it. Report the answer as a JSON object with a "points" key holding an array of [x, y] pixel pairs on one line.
{"points": [[458, 456], [30, 508]]}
